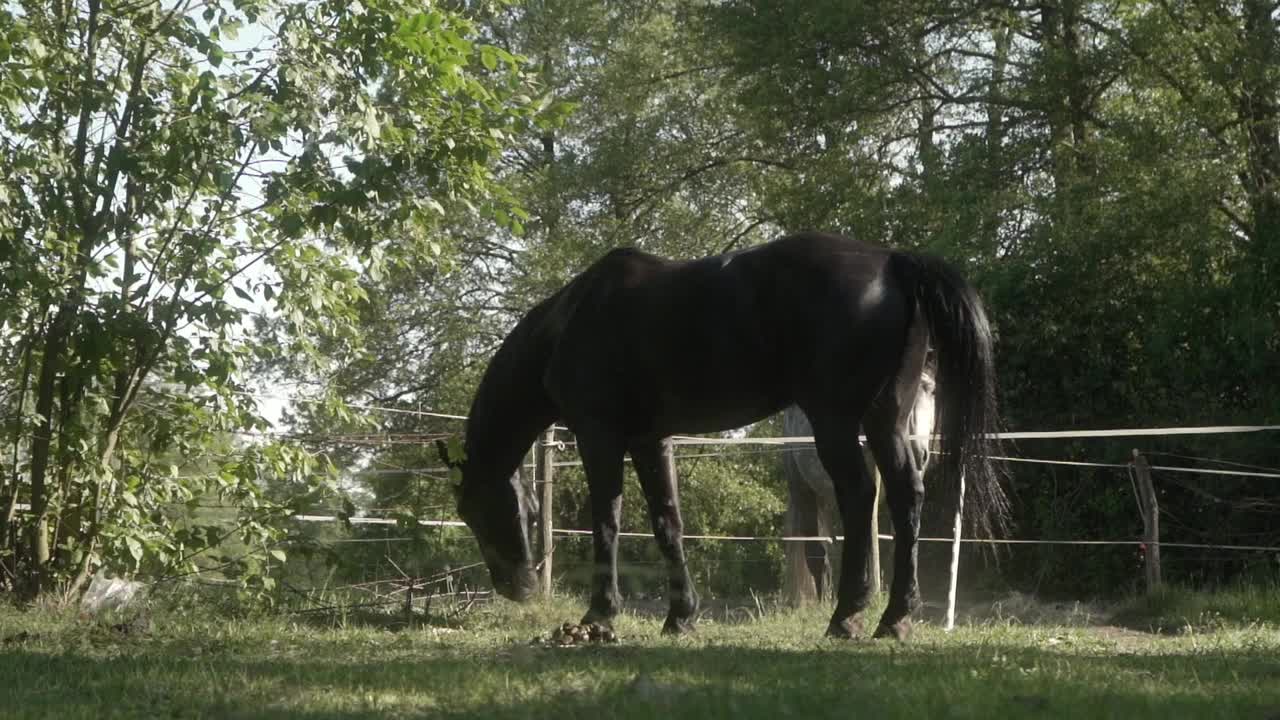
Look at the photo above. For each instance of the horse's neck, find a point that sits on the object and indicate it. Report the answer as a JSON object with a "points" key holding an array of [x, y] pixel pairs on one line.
{"points": [[486, 468], [511, 406], [500, 446]]}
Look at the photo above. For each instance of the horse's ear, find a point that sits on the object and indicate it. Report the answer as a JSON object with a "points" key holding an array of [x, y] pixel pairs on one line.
{"points": [[442, 449]]}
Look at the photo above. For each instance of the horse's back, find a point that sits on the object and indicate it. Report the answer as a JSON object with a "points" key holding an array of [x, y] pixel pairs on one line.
{"points": [[721, 341], [839, 308]]}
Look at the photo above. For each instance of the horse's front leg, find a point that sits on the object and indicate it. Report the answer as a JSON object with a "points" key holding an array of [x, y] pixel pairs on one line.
{"points": [[602, 462], [655, 466], [855, 491], [904, 485]]}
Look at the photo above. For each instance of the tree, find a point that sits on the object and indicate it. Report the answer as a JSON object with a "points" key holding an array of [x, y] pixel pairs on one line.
{"points": [[646, 154], [174, 170], [1100, 172]]}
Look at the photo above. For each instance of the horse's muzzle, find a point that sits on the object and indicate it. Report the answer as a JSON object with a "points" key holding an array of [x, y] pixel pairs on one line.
{"points": [[520, 587]]}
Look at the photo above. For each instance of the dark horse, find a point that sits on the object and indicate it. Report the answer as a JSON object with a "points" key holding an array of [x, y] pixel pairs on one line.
{"points": [[638, 348]]}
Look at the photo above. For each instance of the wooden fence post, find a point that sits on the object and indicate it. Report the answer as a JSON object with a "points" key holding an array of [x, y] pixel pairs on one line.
{"points": [[873, 558], [1150, 510], [544, 474]]}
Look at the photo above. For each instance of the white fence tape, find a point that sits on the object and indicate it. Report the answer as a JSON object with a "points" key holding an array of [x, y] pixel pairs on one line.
{"points": [[1028, 435], [801, 538]]}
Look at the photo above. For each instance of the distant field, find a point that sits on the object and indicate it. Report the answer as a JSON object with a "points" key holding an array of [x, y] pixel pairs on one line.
{"points": [[1214, 656]]}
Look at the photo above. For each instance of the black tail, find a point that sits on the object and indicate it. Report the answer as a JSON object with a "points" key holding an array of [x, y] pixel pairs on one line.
{"points": [[966, 383]]}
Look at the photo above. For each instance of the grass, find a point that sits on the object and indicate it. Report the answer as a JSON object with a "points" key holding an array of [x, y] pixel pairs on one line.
{"points": [[748, 664], [1179, 610]]}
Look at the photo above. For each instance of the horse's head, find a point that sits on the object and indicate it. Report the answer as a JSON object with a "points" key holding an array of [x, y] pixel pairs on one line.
{"points": [[496, 507], [923, 417]]}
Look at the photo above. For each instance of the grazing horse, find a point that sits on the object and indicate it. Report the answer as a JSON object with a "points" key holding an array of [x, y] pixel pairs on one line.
{"points": [[811, 497], [638, 348]]}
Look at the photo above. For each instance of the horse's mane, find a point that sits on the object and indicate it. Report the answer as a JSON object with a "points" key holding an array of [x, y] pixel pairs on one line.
{"points": [[511, 404], [510, 400]]}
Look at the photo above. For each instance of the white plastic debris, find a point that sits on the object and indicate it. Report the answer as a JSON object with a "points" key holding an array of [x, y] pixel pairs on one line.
{"points": [[111, 593]]}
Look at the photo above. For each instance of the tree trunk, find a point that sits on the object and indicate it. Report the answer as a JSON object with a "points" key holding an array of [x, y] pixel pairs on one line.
{"points": [[1068, 113], [1059, 137], [11, 484], [80, 220], [51, 366], [1261, 119], [993, 175], [926, 147], [1077, 99], [1001, 37], [1259, 274]]}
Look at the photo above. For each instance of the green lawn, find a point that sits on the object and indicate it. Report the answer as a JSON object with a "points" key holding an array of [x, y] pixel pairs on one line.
{"points": [[60, 666]]}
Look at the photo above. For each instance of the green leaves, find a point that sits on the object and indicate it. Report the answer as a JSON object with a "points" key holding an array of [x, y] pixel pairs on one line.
{"points": [[135, 549], [225, 181], [371, 126]]}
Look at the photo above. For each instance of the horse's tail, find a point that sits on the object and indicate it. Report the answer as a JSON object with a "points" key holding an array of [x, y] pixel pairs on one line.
{"points": [[966, 382]]}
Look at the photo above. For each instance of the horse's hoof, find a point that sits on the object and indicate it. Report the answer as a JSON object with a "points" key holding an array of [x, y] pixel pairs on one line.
{"points": [[677, 626], [899, 631], [846, 629], [597, 619]]}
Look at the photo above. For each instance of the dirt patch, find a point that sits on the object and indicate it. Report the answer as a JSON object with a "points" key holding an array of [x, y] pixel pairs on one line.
{"points": [[1024, 609]]}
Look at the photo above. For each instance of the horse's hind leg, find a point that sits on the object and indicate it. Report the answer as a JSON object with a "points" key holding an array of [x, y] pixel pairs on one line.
{"points": [[836, 436], [655, 466], [602, 461], [903, 471]]}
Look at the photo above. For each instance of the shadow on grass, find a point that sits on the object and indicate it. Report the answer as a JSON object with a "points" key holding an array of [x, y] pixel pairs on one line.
{"points": [[673, 679], [455, 615]]}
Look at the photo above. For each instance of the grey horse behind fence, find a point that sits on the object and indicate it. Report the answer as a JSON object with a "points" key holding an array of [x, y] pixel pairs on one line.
{"points": [[811, 501]]}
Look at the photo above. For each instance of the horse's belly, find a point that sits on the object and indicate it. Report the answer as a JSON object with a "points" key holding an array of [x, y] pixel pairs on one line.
{"points": [[705, 378], [713, 409]]}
